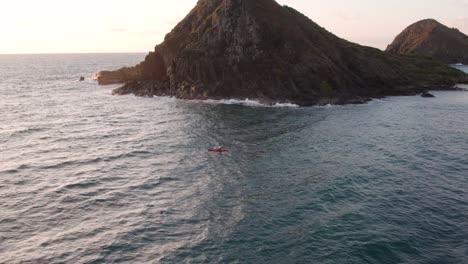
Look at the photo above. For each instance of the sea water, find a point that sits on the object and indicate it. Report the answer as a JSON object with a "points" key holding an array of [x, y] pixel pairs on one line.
{"points": [[88, 177]]}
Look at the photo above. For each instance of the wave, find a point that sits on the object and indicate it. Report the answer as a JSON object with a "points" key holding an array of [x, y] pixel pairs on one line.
{"points": [[372, 101], [247, 102], [244, 102], [285, 105], [462, 86], [16, 169], [28, 130], [252, 103], [82, 184]]}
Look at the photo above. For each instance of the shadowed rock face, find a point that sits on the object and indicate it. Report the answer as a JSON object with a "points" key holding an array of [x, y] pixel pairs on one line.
{"points": [[260, 50], [431, 38]]}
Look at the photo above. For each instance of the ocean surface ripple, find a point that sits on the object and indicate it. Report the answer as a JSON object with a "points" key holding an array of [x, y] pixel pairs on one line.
{"points": [[87, 177]]}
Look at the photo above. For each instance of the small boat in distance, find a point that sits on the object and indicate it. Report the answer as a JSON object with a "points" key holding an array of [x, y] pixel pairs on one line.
{"points": [[219, 149]]}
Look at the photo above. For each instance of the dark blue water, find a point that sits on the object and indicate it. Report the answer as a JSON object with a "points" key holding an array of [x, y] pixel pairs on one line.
{"points": [[87, 177]]}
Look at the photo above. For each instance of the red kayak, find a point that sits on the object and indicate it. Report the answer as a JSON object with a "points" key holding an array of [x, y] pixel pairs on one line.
{"points": [[220, 150]]}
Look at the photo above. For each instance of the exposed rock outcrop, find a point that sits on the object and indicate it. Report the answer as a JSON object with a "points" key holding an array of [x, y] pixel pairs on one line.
{"points": [[427, 95], [431, 38], [122, 75], [260, 50]]}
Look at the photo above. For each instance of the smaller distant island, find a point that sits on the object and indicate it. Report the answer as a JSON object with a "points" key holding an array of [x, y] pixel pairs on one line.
{"points": [[430, 38], [260, 50]]}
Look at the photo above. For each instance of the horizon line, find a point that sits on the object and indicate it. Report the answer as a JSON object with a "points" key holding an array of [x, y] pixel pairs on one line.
{"points": [[72, 53]]}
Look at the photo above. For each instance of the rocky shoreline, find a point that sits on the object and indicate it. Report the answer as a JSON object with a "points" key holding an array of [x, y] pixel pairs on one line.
{"points": [[154, 88], [151, 89]]}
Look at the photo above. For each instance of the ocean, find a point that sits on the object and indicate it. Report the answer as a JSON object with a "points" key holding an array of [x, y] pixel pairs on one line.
{"points": [[88, 177]]}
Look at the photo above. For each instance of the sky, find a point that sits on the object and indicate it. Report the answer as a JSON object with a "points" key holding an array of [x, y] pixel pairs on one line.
{"points": [[58, 26]]}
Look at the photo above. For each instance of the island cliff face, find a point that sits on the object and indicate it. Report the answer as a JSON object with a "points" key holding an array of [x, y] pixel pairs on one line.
{"points": [[260, 50], [430, 38]]}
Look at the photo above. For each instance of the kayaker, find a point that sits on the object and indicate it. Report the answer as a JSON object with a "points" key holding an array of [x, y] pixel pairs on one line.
{"points": [[218, 149]]}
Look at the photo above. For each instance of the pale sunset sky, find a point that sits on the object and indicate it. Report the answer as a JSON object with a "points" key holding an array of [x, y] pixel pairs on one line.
{"points": [[58, 26]]}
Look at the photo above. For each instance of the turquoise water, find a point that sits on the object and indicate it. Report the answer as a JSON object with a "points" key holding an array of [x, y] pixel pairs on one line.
{"points": [[87, 177]]}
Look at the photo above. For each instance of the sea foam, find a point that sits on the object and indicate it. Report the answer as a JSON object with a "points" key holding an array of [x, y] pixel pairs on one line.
{"points": [[247, 102]]}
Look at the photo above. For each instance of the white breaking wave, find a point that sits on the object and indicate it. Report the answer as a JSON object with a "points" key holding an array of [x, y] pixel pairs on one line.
{"points": [[285, 105], [372, 101], [246, 102], [462, 86], [254, 103]]}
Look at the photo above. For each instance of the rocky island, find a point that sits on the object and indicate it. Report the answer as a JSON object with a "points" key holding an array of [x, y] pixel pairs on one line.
{"points": [[261, 50], [431, 38]]}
